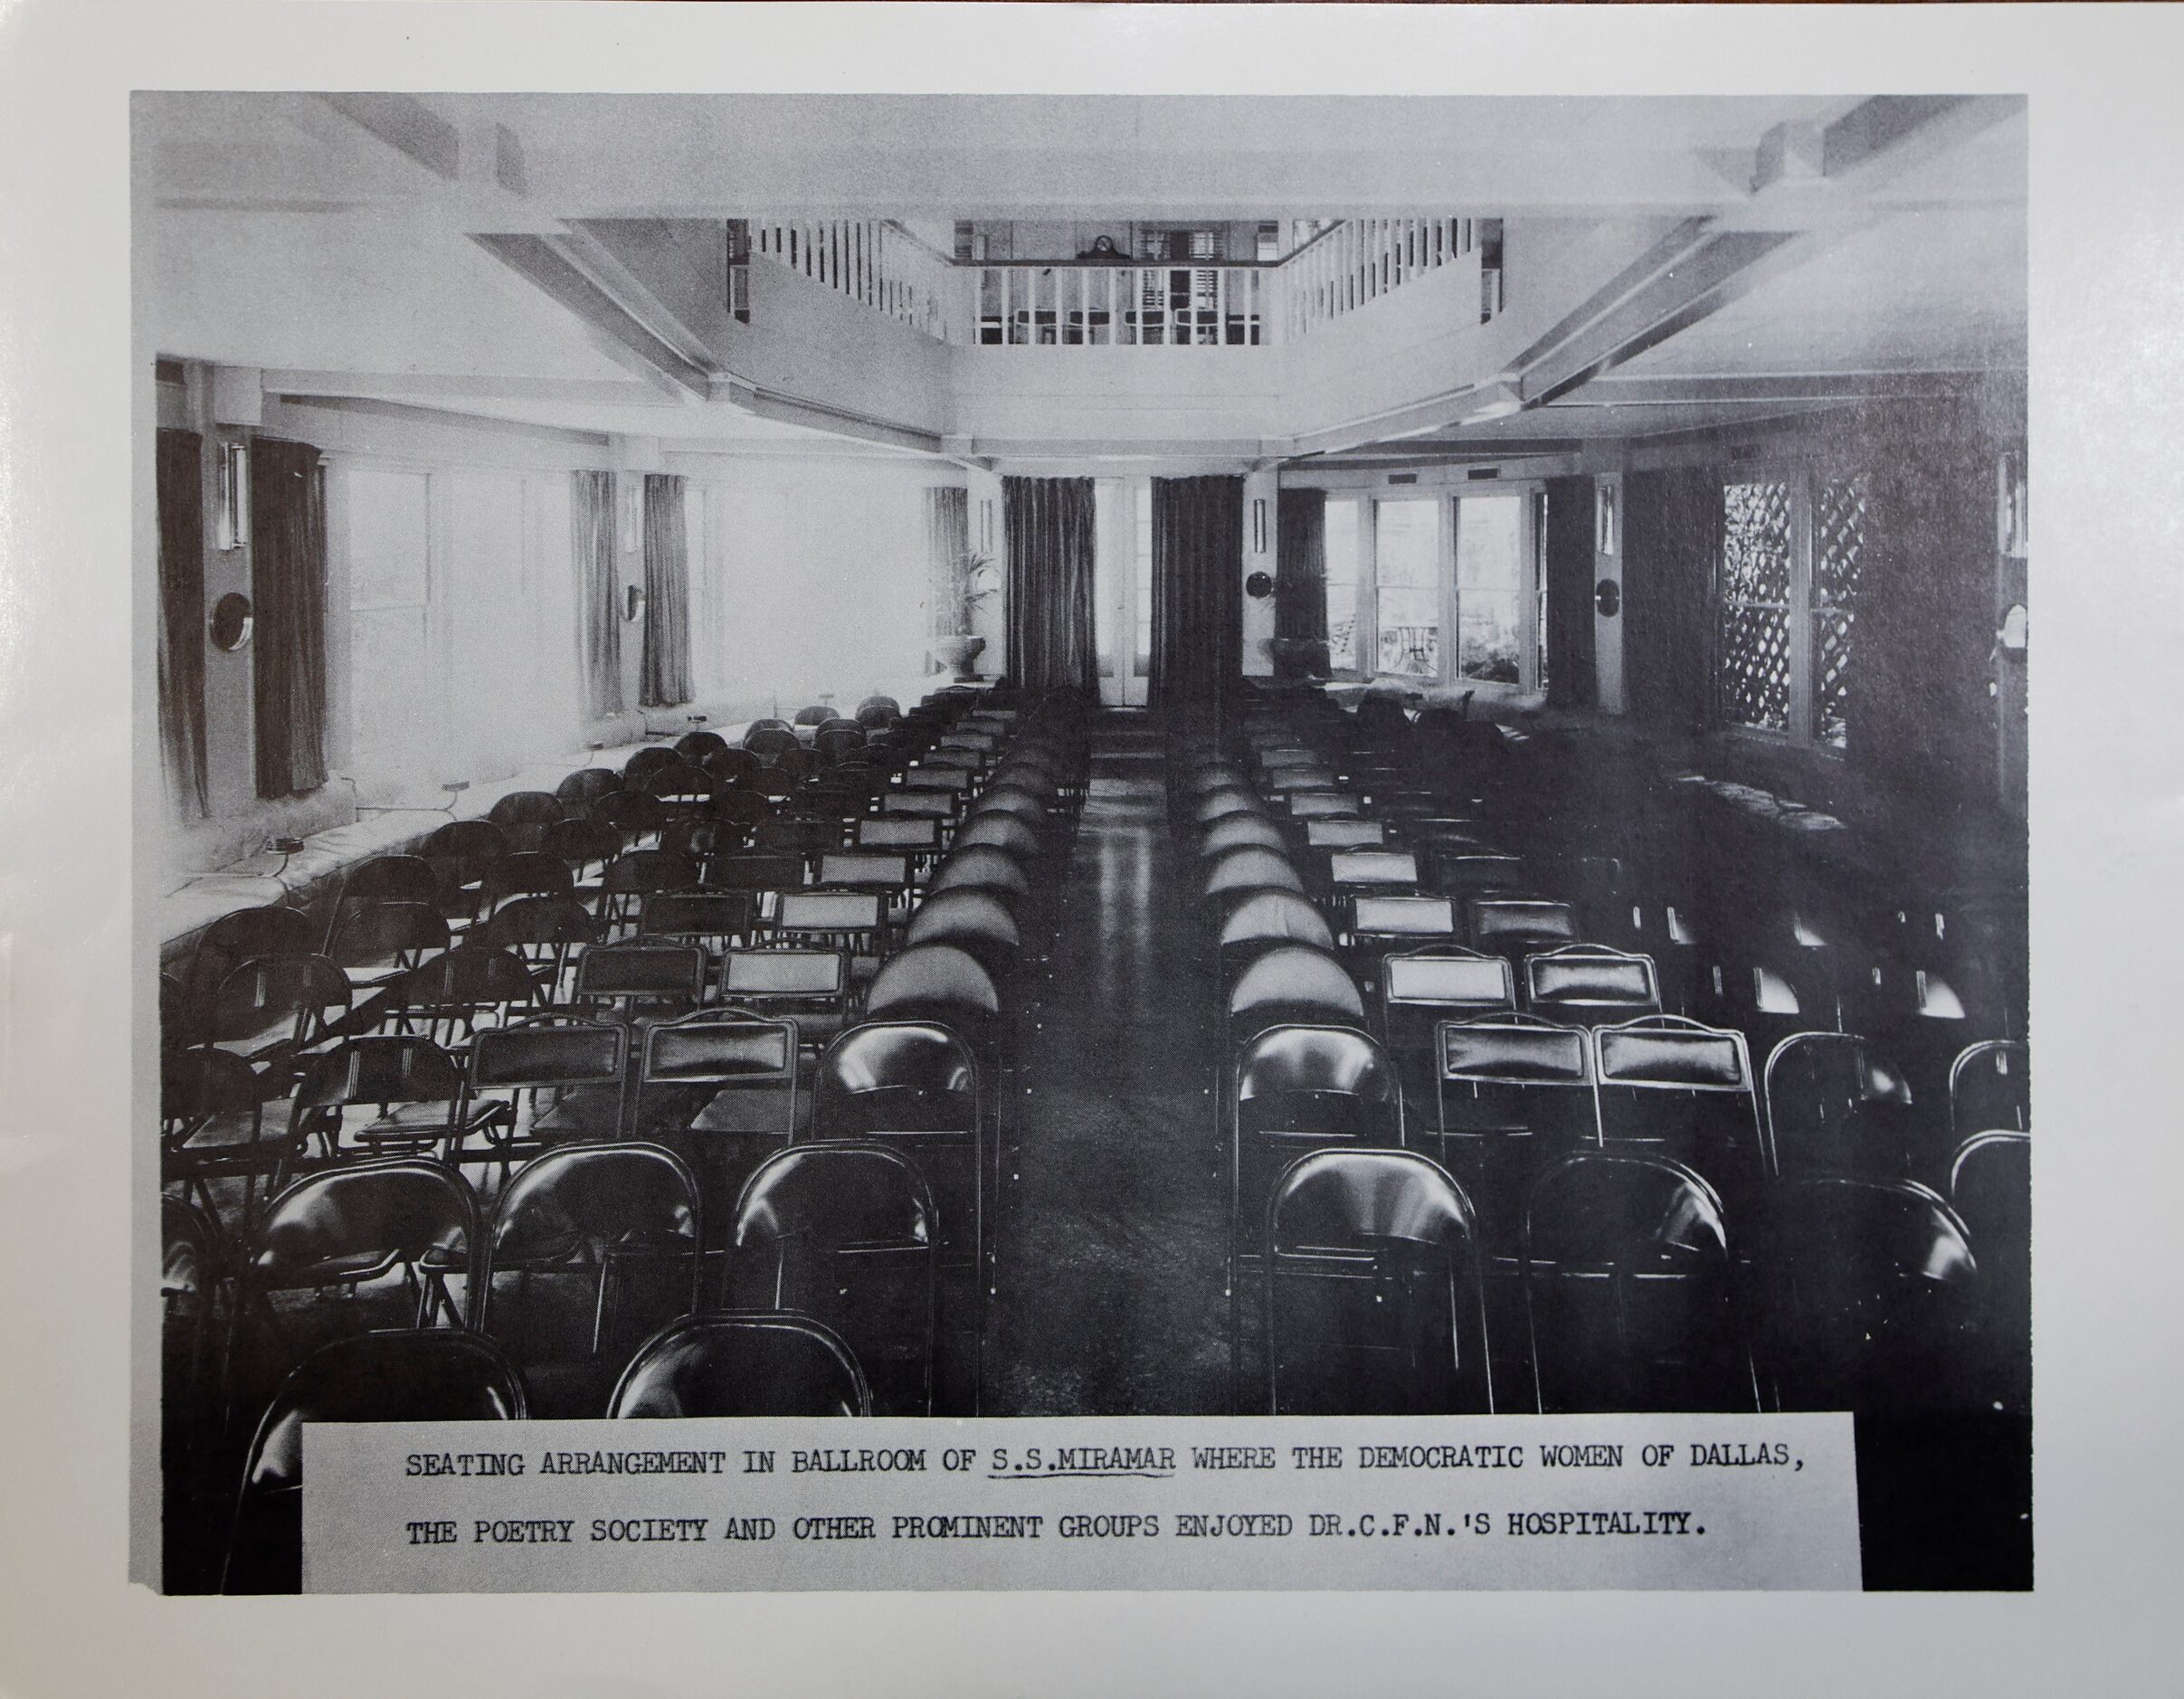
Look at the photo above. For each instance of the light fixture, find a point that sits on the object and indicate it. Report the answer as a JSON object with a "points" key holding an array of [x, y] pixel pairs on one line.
{"points": [[232, 514], [632, 603], [2011, 499], [1604, 516], [1259, 525]]}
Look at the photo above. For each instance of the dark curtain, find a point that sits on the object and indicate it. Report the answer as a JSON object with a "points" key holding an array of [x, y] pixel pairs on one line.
{"points": [[599, 618], [287, 584], [1198, 541], [1049, 531], [182, 619], [1671, 535], [665, 680], [1572, 680], [1300, 578]]}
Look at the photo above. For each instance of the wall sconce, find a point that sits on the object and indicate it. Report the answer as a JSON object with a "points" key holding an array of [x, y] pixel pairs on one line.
{"points": [[232, 509], [1605, 527], [1259, 525], [2012, 498], [2011, 638], [1259, 587], [632, 603]]}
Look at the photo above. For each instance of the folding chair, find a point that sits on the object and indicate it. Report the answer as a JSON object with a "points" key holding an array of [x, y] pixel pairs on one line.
{"points": [[1990, 1188], [525, 815], [1375, 1295], [374, 943], [758, 1364], [1513, 1093], [620, 1221], [1838, 1105], [1678, 1088], [447, 997], [544, 933], [555, 1077], [412, 1089], [641, 976], [845, 1234], [432, 1377], [1628, 1289], [1292, 985], [211, 1125]]}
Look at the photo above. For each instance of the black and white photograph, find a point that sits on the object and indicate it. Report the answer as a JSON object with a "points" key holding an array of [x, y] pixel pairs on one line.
{"points": [[975, 756], [1202, 827]]}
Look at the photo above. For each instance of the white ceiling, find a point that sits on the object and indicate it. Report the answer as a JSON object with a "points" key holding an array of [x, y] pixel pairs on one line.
{"points": [[280, 232]]}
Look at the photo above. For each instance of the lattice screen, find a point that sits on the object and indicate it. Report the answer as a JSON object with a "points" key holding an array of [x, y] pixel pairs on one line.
{"points": [[1757, 566], [1838, 548]]}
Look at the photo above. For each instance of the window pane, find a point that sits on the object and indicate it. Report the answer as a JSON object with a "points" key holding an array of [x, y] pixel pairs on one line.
{"points": [[1406, 542], [1756, 667], [1342, 585], [1107, 514], [1831, 677], [1489, 577], [1142, 665], [1410, 630], [1488, 635], [1407, 556], [1755, 542], [1839, 539]]}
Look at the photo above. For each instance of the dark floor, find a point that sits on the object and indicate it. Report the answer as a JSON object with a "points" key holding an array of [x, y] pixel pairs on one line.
{"points": [[1112, 1216]]}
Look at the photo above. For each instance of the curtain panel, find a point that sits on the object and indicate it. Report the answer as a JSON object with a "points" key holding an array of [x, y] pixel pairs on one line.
{"points": [[599, 619], [1572, 680], [665, 679], [288, 586], [182, 614], [1198, 541], [1300, 579], [1672, 523], [1049, 522]]}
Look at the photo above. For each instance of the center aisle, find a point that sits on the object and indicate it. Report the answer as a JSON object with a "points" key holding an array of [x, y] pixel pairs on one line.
{"points": [[1113, 1227]]}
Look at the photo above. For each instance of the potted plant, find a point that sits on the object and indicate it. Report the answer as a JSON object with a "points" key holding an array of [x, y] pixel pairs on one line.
{"points": [[971, 581]]}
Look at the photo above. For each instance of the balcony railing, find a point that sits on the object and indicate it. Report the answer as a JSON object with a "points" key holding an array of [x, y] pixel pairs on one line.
{"points": [[1168, 304], [872, 260], [1163, 304]]}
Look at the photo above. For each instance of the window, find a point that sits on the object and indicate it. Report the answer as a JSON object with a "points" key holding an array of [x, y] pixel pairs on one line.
{"points": [[1407, 562], [1792, 545], [1342, 585], [1413, 568]]}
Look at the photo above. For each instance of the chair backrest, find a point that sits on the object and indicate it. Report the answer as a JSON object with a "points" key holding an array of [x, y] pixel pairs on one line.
{"points": [[1521, 926], [758, 1364], [609, 1197], [1249, 869], [1392, 868], [896, 1077], [755, 872], [1822, 1091], [851, 916], [280, 998], [764, 975], [371, 933], [1216, 804], [1870, 1297], [548, 1053], [716, 916], [642, 969], [1004, 832], [1256, 920], [643, 763], [982, 868], [1990, 1089], [1587, 984], [527, 808], [1685, 1090], [581, 840], [847, 1234], [1463, 872], [1321, 805], [1345, 834], [1294, 982], [1372, 919], [1420, 988], [465, 841], [1374, 1297], [699, 744], [378, 1377], [529, 873], [908, 836], [935, 981], [538, 921], [207, 1081], [863, 870], [1628, 1288], [642, 871], [1513, 1093], [391, 879], [1241, 832], [234, 939], [457, 987], [586, 786], [364, 1217], [1990, 1188]]}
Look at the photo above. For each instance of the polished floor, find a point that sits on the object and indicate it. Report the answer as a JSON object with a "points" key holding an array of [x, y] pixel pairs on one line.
{"points": [[1113, 1213]]}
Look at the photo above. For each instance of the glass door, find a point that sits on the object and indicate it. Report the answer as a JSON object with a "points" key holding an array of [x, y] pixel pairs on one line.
{"points": [[1411, 582], [1122, 588], [1494, 636]]}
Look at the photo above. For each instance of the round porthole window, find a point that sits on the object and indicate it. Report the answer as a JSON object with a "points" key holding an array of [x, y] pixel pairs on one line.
{"points": [[1608, 597], [232, 620]]}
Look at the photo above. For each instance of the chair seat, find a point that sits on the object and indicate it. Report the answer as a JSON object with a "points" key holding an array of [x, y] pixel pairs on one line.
{"points": [[420, 1125], [229, 1134]]}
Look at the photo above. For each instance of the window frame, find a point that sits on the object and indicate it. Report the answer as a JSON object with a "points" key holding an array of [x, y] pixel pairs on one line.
{"points": [[1804, 478], [1527, 493]]}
